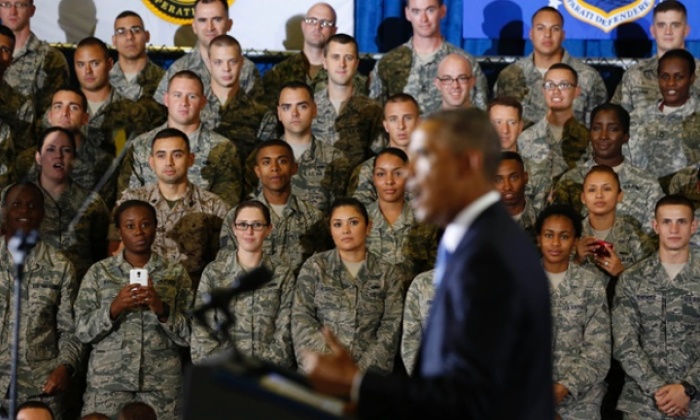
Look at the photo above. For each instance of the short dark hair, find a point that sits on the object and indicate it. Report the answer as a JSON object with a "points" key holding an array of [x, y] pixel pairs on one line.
{"points": [[55, 129], [393, 151], [564, 66], [297, 84], [137, 410], [508, 155], [225, 41], [563, 210], [92, 41], [343, 39], [674, 200], [128, 13], [95, 416], [679, 53], [79, 92], [402, 97], [4, 30], [254, 204], [509, 101], [125, 205], [670, 5], [603, 169], [187, 74], [349, 202], [273, 143], [547, 9], [621, 113], [170, 132], [35, 404], [198, 2]]}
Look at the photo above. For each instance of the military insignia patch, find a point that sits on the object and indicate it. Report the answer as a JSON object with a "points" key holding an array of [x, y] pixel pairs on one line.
{"points": [[179, 12], [608, 14]]}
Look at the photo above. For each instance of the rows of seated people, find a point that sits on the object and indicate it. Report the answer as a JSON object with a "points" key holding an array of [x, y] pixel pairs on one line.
{"points": [[201, 173]]}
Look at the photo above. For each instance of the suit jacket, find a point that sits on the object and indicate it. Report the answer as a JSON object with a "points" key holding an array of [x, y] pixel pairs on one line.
{"points": [[487, 349]]}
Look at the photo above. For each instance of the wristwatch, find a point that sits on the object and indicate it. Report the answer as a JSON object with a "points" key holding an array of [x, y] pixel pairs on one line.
{"points": [[690, 390]]}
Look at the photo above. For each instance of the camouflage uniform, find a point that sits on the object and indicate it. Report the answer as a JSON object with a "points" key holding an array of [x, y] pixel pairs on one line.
{"points": [[408, 245], [695, 238], [193, 61], [419, 298], [664, 144], [685, 183], [640, 190], [655, 329], [18, 113], [364, 313], [296, 68], [216, 165], [135, 355], [37, 71], [296, 235], [581, 342], [401, 70], [76, 223], [550, 159], [7, 155], [320, 178], [523, 81], [527, 218], [188, 232], [639, 86], [47, 335], [356, 131], [261, 318], [144, 84], [361, 184]]}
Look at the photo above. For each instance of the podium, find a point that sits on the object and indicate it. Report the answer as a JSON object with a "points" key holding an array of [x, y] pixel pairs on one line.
{"points": [[221, 388]]}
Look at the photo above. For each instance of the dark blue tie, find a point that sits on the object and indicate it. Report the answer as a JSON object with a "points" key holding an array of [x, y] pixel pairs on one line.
{"points": [[443, 259]]}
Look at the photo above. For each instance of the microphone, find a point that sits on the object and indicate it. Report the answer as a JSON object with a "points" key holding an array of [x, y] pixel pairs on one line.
{"points": [[21, 243]]}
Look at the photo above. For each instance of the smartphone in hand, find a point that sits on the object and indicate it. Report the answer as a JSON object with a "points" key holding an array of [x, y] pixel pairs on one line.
{"points": [[138, 276]]}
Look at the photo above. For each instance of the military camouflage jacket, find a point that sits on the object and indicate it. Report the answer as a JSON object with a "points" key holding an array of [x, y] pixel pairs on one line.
{"points": [[527, 219], [261, 318], [364, 313], [685, 183], [37, 71], [639, 86], [655, 328], [17, 111], [356, 130], [7, 155], [47, 335], [135, 352], [188, 232], [216, 165], [402, 70], [144, 84], [581, 342], [296, 68], [419, 298]]}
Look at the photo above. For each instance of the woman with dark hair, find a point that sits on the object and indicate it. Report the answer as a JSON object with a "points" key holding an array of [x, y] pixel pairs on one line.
{"points": [[262, 316]]}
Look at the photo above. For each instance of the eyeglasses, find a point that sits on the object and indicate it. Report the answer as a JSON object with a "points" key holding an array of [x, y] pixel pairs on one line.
{"points": [[549, 85], [135, 30], [315, 21], [255, 225], [9, 5], [462, 79]]}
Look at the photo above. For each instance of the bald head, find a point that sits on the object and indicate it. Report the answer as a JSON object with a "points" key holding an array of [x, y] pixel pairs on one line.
{"points": [[455, 81], [323, 8]]}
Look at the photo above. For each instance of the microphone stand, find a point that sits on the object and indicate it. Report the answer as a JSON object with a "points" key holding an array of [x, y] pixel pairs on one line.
{"points": [[19, 245]]}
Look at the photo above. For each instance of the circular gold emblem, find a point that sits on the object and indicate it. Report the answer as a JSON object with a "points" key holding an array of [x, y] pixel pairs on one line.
{"points": [[179, 12]]}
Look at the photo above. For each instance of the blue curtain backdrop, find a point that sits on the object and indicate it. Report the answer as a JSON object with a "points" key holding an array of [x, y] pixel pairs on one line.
{"points": [[380, 25]]}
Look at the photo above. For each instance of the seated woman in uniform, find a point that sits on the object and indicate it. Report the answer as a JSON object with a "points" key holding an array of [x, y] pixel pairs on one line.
{"points": [[262, 316], [352, 292], [580, 317]]}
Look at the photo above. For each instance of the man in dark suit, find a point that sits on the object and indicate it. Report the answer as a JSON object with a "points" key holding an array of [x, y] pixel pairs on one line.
{"points": [[486, 352]]}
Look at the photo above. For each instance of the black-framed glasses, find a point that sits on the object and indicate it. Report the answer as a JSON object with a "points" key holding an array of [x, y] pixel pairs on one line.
{"points": [[135, 30], [549, 85], [316, 21], [255, 225], [462, 79]]}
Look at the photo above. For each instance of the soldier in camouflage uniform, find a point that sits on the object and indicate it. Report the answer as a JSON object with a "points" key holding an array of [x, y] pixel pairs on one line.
{"points": [[262, 317], [216, 165], [134, 76], [229, 110], [75, 220], [511, 182], [419, 298], [136, 331], [523, 78], [558, 142], [639, 86], [317, 26], [189, 216], [665, 136], [608, 133], [37, 69], [396, 236], [210, 20], [655, 319], [346, 119], [412, 67], [352, 292], [298, 228], [686, 182], [401, 116], [48, 349], [581, 321], [322, 169], [16, 111]]}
